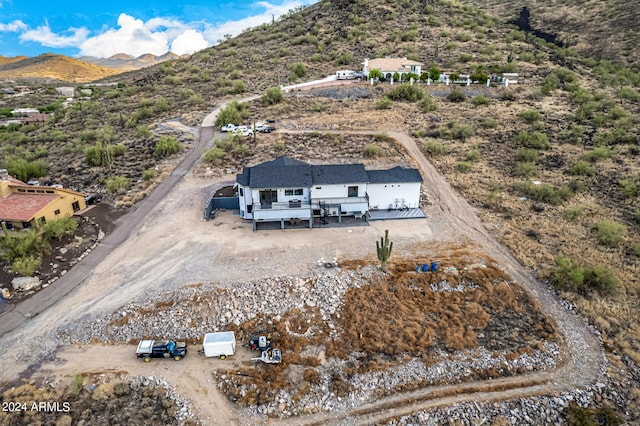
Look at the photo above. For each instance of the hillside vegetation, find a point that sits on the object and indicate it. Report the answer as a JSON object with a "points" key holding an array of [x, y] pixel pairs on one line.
{"points": [[551, 164]]}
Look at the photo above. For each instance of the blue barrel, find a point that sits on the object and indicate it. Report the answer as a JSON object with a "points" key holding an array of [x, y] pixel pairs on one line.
{"points": [[425, 267], [434, 266]]}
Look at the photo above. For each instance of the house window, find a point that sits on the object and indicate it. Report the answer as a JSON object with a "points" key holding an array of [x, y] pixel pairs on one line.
{"points": [[292, 192], [76, 206], [352, 191], [57, 212], [318, 187], [42, 220], [26, 225]]}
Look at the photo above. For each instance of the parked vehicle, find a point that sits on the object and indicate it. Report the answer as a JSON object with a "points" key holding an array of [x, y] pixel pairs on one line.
{"points": [[260, 342], [243, 131], [221, 344], [345, 75], [265, 128], [272, 356], [228, 128], [148, 349]]}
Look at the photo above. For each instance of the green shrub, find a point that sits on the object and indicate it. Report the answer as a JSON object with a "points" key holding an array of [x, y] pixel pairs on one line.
{"points": [[582, 168], [384, 103], [27, 265], [238, 87], [272, 96], [167, 145], [535, 140], [213, 155], [597, 154], [25, 170], [473, 155], [58, 228], [371, 150], [546, 193], [382, 137], [406, 92], [574, 213], [456, 95], [235, 112], [527, 155], [530, 116], [489, 123], [629, 187], [480, 100], [463, 166], [148, 174], [525, 169], [117, 184], [103, 155], [279, 145], [143, 132], [344, 59], [434, 149], [18, 244], [427, 104], [628, 93], [609, 233], [298, 70]]}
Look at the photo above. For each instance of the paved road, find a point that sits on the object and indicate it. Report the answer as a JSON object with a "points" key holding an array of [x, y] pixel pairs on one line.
{"points": [[20, 312]]}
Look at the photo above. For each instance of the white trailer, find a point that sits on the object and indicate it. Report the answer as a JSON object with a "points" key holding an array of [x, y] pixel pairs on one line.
{"points": [[222, 344], [345, 75]]}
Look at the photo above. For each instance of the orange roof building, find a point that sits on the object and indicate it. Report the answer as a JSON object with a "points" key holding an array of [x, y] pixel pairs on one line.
{"points": [[24, 206]]}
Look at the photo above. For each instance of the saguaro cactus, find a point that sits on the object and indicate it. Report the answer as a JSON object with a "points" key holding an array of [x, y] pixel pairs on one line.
{"points": [[384, 247]]}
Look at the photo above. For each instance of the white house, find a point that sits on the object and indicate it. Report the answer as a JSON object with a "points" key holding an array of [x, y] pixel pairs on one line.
{"points": [[286, 189], [389, 66]]}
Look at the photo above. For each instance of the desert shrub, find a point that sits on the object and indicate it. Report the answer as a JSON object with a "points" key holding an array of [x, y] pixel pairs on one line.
{"points": [[579, 416], [527, 155], [58, 228], [26, 170], [427, 104], [530, 115], [238, 87], [167, 145], [456, 95], [546, 193], [279, 145], [213, 155], [465, 57], [235, 112], [480, 100], [597, 154], [240, 150], [455, 130], [384, 103], [574, 213], [344, 59], [406, 92], [434, 149], [535, 140], [103, 155], [463, 166], [609, 233], [525, 169], [117, 184], [143, 132], [574, 135], [628, 93], [629, 187], [148, 174], [473, 155], [18, 244], [582, 168], [298, 70], [371, 150], [272, 96], [489, 123], [27, 265], [382, 137]]}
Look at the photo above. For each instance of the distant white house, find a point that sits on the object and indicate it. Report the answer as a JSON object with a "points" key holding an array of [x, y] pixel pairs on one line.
{"points": [[286, 189], [24, 112], [389, 66]]}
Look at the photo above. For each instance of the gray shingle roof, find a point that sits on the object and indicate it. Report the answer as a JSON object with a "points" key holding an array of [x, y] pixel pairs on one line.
{"points": [[285, 172], [339, 173], [396, 175]]}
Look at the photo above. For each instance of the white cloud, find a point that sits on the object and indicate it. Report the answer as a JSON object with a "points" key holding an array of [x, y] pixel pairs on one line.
{"points": [[132, 37], [188, 42], [46, 37], [12, 27]]}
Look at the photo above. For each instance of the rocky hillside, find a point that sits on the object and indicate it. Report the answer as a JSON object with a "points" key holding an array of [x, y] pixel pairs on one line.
{"points": [[50, 66], [551, 163]]}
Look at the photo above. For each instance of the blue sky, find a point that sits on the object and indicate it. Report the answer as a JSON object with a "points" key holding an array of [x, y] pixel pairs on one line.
{"points": [[104, 28]]}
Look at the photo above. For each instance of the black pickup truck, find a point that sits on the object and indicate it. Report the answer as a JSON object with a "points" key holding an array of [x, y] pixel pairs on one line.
{"points": [[148, 349]]}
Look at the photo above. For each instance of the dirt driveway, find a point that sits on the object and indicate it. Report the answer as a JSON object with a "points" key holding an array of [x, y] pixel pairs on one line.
{"points": [[174, 247]]}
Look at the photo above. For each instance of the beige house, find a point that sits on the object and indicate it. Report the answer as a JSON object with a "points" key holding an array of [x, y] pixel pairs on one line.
{"points": [[24, 206], [389, 66]]}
